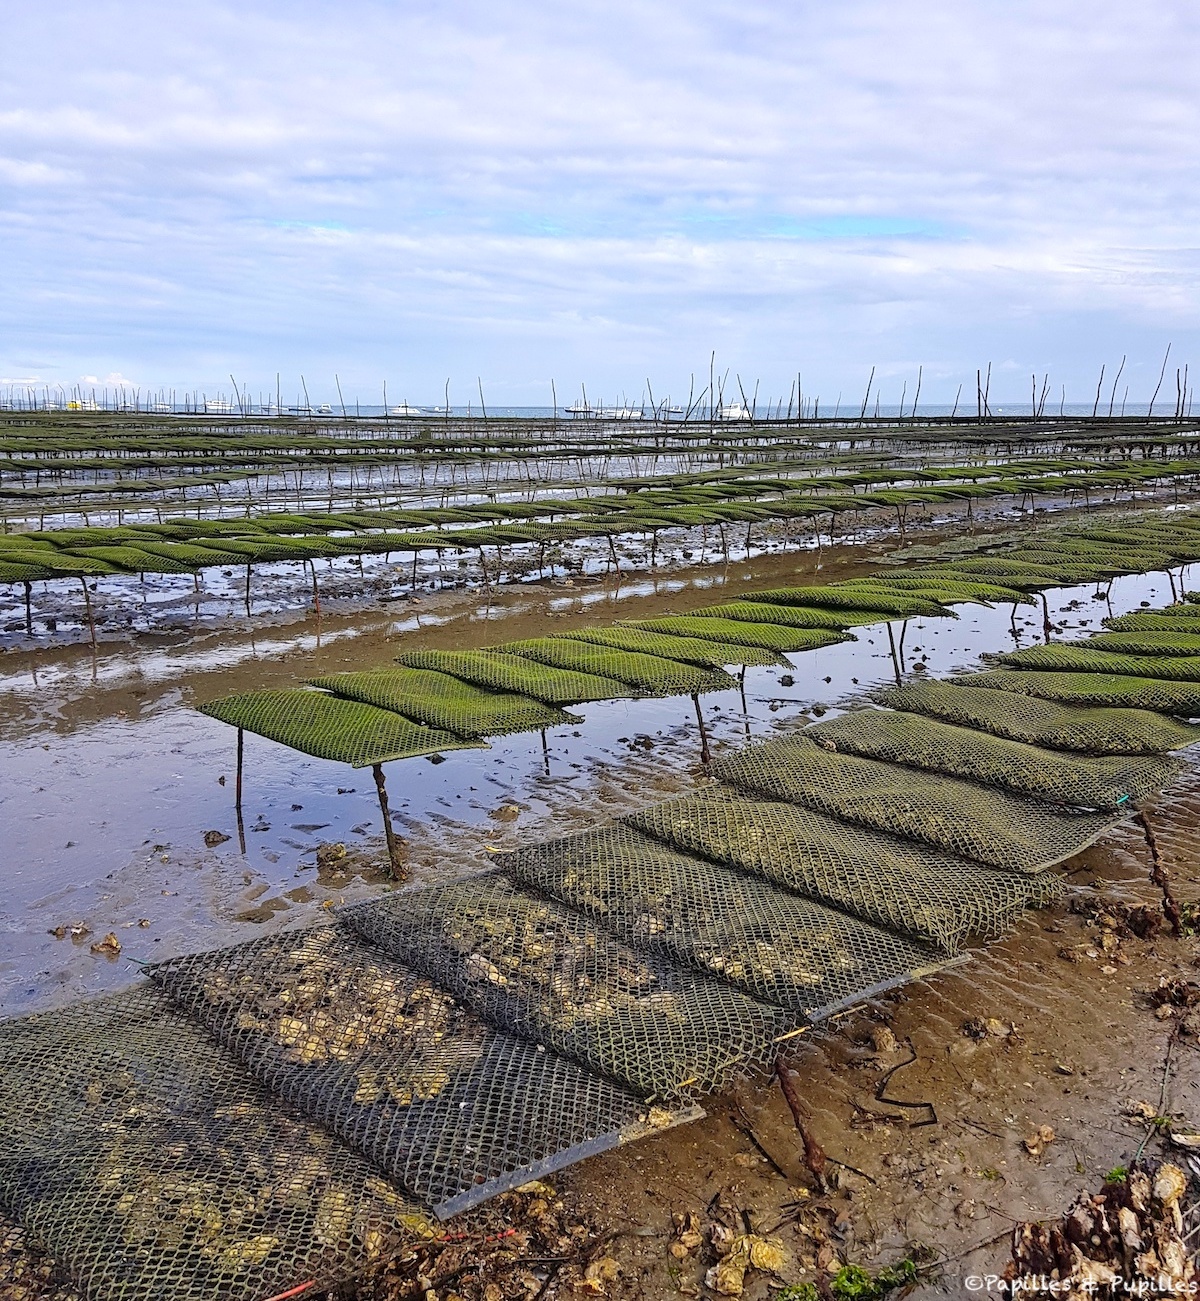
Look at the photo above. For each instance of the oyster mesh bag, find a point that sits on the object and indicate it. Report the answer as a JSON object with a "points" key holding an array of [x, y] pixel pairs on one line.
{"points": [[1084, 658], [975, 821], [691, 650], [1121, 690], [452, 1108], [777, 637], [500, 672], [441, 701], [536, 968], [916, 741], [1042, 722], [153, 1166], [647, 673], [770, 942], [900, 884]]}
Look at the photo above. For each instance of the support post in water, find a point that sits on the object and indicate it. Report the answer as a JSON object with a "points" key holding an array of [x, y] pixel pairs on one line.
{"points": [[237, 788], [28, 608], [87, 605], [247, 589], [394, 868], [895, 657], [705, 753]]}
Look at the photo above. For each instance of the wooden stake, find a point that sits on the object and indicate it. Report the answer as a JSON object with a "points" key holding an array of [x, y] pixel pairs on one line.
{"points": [[395, 869]]}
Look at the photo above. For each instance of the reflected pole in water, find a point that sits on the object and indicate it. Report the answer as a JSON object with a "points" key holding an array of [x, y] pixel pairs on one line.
{"points": [[395, 871], [895, 657]]}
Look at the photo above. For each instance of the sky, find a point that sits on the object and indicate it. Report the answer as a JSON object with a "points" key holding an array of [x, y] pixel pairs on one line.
{"points": [[603, 193]]}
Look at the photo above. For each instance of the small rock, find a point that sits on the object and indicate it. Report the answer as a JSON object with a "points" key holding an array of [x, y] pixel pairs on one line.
{"points": [[108, 947], [505, 813], [214, 838]]}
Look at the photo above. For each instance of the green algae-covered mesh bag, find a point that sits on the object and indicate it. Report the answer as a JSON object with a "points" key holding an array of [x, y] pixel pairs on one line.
{"points": [[992, 826], [151, 1164], [1154, 642], [927, 743], [346, 731], [908, 887], [647, 673], [441, 701], [538, 969], [1171, 619], [790, 616], [1121, 690], [770, 942], [691, 650], [774, 637], [1041, 722], [839, 597], [500, 672], [454, 1109], [1081, 658]]}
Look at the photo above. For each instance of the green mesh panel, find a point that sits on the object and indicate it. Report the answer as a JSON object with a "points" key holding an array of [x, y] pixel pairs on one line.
{"points": [[454, 1110], [153, 1166], [909, 888], [329, 728], [500, 672], [1080, 658], [797, 616], [648, 673], [1022, 582], [191, 557], [691, 650], [933, 587], [977, 822], [1105, 564], [772, 636], [848, 598], [1182, 698], [1015, 573], [1041, 722], [926, 743], [1158, 642], [134, 560], [1173, 618], [15, 572], [536, 968], [769, 942], [441, 701]]}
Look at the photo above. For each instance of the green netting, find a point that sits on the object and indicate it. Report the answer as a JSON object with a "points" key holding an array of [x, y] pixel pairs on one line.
{"points": [[500, 672], [774, 637], [691, 650], [1017, 582], [154, 1167], [1015, 573], [1041, 722], [1080, 658], [909, 888], [63, 565], [1181, 698], [536, 968], [767, 941], [329, 728], [14, 572], [133, 560], [1173, 619], [1106, 564], [992, 826], [453, 1109], [790, 616], [916, 741], [934, 587], [192, 557], [650, 674], [1158, 642], [848, 598], [441, 701]]}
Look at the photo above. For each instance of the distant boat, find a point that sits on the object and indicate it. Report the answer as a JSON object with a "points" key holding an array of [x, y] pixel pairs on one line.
{"points": [[733, 411], [579, 409], [217, 406], [622, 413], [405, 410]]}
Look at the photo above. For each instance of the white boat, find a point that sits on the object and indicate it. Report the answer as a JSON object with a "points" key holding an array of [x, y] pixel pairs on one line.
{"points": [[733, 411], [621, 413], [578, 409], [218, 407], [405, 410]]}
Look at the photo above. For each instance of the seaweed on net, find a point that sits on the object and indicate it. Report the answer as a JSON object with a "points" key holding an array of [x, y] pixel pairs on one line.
{"points": [[979, 822], [1081, 658], [441, 701], [1041, 722], [770, 942], [907, 887], [500, 672], [843, 597], [1150, 642], [787, 615], [1084, 688], [771, 636], [917, 741], [648, 673], [690, 650]]}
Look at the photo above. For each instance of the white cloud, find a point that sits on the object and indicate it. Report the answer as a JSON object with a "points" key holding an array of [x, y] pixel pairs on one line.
{"points": [[598, 190]]}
